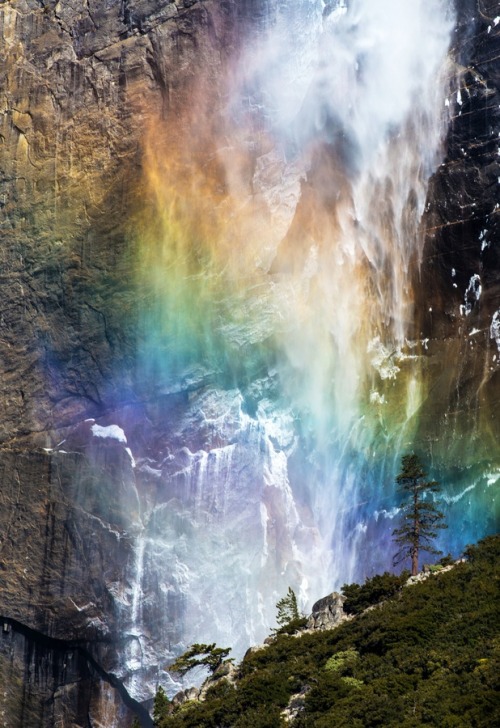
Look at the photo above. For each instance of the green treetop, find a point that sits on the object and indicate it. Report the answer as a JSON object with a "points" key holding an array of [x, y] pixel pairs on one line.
{"points": [[420, 517], [203, 655], [287, 608], [161, 705], [289, 618]]}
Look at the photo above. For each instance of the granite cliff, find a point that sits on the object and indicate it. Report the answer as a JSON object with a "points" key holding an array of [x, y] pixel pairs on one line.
{"points": [[136, 502]]}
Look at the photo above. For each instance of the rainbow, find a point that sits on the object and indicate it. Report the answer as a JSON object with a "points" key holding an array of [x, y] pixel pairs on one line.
{"points": [[279, 237]]}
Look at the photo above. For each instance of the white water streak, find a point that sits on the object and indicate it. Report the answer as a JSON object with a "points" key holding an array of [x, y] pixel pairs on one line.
{"points": [[137, 583], [353, 94]]}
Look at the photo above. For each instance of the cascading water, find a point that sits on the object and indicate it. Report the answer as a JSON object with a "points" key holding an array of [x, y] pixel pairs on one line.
{"points": [[280, 251], [135, 647], [369, 127]]}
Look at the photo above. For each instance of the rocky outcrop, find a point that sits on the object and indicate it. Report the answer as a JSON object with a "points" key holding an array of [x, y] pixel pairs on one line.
{"points": [[295, 705], [225, 673], [328, 612]]}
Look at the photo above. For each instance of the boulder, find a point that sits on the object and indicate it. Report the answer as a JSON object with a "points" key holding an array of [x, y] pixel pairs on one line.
{"points": [[328, 612]]}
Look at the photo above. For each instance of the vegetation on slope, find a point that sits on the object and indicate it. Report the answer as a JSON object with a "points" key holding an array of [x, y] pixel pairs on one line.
{"points": [[428, 656]]}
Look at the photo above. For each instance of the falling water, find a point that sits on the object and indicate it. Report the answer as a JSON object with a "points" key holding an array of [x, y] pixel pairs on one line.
{"points": [[355, 108], [281, 259], [135, 640], [364, 123], [137, 582]]}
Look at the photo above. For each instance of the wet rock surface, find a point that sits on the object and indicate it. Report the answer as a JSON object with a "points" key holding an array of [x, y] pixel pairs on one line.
{"points": [[77, 85], [458, 291], [79, 547], [65, 547]]}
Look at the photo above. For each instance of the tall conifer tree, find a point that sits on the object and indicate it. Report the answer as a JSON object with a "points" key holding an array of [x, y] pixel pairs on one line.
{"points": [[420, 516]]}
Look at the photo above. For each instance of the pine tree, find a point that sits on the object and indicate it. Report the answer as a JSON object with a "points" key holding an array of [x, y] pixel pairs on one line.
{"points": [[420, 517], [208, 656], [288, 610], [160, 706]]}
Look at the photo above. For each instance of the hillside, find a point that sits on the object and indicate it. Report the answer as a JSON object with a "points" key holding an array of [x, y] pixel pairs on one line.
{"points": [[429, 656]]}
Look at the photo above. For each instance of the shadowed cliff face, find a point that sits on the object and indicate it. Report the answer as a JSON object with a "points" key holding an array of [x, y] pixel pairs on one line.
{"points": [[141, 160], [459, 284], [65, 549]]}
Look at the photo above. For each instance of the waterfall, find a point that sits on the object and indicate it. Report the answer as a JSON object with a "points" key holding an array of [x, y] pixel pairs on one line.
{"points": [[353, 98], [137, 583], [280, 252], [355, 105]]}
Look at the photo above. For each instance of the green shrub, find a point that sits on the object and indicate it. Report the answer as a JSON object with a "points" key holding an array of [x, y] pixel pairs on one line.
{"points": [[373, 591], [352, 682], [342, 660], [447, 560], [430, 657], [294, 626]]}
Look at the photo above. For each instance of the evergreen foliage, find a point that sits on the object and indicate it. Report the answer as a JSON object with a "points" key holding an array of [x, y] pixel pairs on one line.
{"points": [[161, 704], [208, 656], [342, 660], [420, 517], [288, 609], [289, 617], [429, 656], [292, 627], [373, 591]]}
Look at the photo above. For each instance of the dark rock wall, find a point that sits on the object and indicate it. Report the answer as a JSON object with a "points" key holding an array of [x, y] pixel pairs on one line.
{"points": [[77, 83], [464, 211], [63, 551], [77, 86], [55, 682], [458, 291]]}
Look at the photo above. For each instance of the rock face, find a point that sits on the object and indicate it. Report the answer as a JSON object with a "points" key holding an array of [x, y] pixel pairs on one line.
{"points": [[65, 550], [149, 498], [76, 87], [76, 82], [81, 591], [327, 612], [459, 292]]}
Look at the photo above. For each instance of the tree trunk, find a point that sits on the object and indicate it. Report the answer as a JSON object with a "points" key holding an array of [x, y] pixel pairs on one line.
{"points": [[416, 530], [414, 562]]}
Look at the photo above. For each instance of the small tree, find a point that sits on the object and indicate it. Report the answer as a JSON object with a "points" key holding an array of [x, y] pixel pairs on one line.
{"points": [[289, 618], [208, 656], [420, 518], [287, 608], [161, 705]]}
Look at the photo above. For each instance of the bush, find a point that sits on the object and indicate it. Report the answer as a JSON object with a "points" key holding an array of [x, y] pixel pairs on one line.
{"points": [[447, 560], [430, 657], [294, 626], [342, 660], [373, 591]]}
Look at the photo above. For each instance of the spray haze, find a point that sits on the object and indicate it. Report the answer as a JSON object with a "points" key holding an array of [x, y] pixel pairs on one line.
{"points": [[293, 220], [363, 121], [280, 248]]}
